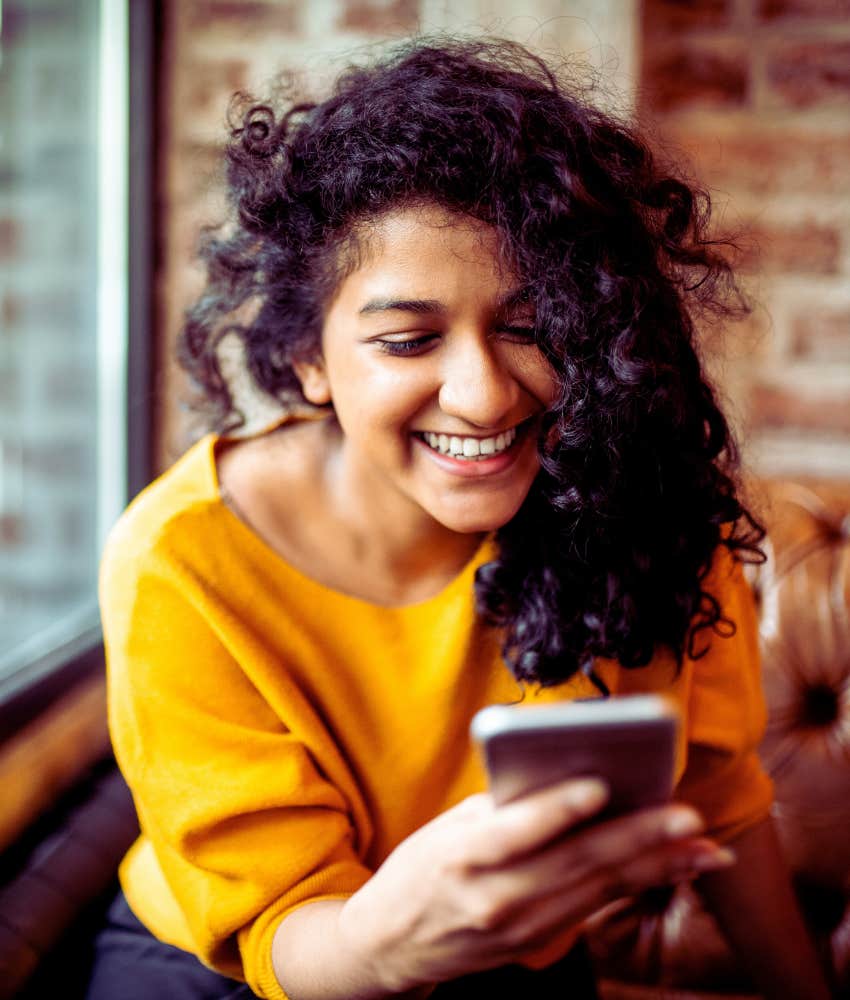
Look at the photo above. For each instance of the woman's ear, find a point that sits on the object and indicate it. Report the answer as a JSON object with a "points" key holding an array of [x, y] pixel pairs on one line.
{"points": [[314, 381]]}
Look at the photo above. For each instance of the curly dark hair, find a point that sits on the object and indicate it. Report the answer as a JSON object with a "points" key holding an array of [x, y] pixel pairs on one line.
{"points": [[637, 488]]}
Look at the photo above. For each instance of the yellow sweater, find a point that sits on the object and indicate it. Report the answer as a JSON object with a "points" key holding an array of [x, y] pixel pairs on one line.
{"points": [[281, 738]]}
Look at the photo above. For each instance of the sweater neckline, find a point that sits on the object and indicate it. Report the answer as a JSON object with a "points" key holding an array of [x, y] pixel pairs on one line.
{"points": [[461, 582]]}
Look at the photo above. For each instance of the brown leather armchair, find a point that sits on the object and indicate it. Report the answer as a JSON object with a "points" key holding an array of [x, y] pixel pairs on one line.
{"points": [[666, 944]]}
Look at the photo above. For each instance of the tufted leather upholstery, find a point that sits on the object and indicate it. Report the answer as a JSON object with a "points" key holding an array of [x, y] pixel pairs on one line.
{"points": [[665, 944]]}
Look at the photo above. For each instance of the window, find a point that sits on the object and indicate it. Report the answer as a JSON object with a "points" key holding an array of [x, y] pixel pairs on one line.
{"points": [[65, 282]]}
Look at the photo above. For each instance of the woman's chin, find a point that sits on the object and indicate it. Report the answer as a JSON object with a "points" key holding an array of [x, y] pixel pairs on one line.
{"points": [[477, 522]]}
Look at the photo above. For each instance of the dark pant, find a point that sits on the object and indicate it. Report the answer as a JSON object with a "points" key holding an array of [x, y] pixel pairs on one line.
{"points": [[131, 964]]}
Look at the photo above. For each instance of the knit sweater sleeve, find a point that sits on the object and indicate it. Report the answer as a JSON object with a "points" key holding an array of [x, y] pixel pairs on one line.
{"points": [[726, 713], [243, 823]]}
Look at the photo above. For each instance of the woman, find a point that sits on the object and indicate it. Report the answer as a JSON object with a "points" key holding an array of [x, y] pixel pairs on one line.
{"points": [[514, 483]]}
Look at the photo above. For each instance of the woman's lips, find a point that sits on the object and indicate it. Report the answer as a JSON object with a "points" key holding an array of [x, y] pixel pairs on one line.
{"points": [[477, 466]]}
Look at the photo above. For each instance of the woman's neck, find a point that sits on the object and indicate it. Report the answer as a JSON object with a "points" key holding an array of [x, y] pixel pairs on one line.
{"points": [[299, 497], [391, 537]]}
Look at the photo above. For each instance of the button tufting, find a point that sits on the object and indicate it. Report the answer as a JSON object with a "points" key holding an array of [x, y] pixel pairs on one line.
{"points": [[820, 706]]}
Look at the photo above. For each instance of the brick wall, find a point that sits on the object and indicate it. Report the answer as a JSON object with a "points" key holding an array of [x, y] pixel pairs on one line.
{"points": [[213, 47], [757, 93], [48, 287]]}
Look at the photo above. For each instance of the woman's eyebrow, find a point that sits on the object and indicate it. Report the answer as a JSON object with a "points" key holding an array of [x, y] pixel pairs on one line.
{"points": [[431, 306], [419, 306]]}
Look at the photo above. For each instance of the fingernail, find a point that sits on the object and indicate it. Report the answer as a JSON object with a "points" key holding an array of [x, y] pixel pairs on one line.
{"points": [[681, 824], [587, 793], [721, 858]]}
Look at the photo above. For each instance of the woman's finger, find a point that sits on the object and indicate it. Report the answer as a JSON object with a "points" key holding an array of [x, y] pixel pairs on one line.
{"points": [[501, 834], [615, 842], [572, 891]]}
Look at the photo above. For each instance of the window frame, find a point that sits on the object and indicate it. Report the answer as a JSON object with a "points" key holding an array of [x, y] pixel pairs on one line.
{"points": [[124, 447]]}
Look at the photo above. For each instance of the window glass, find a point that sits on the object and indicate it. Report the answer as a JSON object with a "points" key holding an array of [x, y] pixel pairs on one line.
{"points": [[58, 408]]}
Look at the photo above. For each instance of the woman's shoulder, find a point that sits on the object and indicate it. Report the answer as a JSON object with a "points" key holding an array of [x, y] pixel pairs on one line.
{"points": [[186, 489], [215, 473], [262, 468], [227, 510]]}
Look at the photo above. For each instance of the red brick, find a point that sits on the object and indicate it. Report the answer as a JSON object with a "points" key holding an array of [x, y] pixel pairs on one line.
{"points": [[822, 334], [58, 308], [804, 248], [768, 163], [26, 21], [10, 311], [10, 238], [377, 16], [774, 406], [678, 15], [741, 339], [208, 86], [807, 73], [202, 172], [243, 15], [11, 529], [771, 10], [685, 75]]}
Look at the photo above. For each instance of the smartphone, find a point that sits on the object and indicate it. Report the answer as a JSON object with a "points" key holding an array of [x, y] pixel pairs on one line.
{"points": [[628, 741]]}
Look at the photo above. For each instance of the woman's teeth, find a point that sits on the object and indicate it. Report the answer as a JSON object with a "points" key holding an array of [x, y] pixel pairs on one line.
{"points": [[468, 447]]}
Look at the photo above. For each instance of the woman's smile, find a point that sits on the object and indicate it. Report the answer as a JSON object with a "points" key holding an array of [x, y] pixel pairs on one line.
{"points": [[430, 361], [462, 455], [471, 448]]}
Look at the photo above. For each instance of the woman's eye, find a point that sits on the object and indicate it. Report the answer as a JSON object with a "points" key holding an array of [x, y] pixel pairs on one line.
{"points": [[401, 348], [524, 334]]}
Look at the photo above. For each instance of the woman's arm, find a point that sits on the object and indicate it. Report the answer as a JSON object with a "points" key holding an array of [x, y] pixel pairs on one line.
{"points": [[755, 905], [312, 958], [481, 886]]}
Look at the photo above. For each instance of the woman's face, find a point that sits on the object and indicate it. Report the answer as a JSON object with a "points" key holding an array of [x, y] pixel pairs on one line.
{"points": [[429, 361]]}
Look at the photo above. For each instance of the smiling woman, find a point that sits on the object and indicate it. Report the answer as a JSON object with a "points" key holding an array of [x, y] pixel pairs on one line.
{"points": [[418, 342], [512, 482]]}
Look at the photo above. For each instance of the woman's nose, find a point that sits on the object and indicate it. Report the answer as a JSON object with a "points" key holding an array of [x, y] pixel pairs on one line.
{"points": [[478, 387]]}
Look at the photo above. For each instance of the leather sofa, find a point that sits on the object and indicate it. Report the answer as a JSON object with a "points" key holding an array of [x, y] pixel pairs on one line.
{"points": [[665, 944]]}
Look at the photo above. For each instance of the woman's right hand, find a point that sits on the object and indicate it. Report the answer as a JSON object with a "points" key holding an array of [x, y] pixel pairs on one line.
{"points": [[481, 885]]}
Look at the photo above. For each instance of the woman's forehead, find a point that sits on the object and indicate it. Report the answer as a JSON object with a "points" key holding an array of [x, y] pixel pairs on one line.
{"points": [[425, 239]]}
